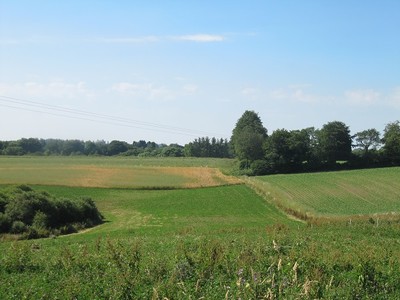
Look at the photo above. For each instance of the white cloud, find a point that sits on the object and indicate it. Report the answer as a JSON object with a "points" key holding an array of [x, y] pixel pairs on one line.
{"points": [[152, 91], [131, 88], [362, 97], [55, 89], [249, 91], [202, 38], [295, 93]]}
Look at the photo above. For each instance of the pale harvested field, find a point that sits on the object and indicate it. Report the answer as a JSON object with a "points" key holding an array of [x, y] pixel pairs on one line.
{"points": [[119, 176]]}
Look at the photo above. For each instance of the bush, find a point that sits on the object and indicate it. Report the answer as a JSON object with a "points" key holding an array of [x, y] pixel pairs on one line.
{"points": [[18, 227], [5, 223], [40, 220], [38, 214], [260, 167]]}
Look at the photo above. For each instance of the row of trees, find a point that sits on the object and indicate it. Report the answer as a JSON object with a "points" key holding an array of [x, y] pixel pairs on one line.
{"points": [[206, 147], [76, 147], [308, 149], [201, 147]]}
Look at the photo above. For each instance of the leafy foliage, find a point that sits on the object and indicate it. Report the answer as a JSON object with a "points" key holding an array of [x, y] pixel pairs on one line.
{"points": [[206, 147], [391, 139], [248, 137], [335, 142], [37, 214]]}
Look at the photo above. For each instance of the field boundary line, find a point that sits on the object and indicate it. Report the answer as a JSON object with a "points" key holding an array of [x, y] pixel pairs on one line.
{"points": [[290, 213]]}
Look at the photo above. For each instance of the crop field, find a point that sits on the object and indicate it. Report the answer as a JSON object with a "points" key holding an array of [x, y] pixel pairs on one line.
{"points": [[345, 193], [212, 210], [114, 172], [208, 240]]}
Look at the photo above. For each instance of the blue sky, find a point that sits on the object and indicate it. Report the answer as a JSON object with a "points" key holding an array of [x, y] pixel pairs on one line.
{"points": [[171, 71]]}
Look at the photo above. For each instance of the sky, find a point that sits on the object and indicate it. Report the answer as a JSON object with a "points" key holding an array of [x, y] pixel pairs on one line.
{"points": [[172, 71]]}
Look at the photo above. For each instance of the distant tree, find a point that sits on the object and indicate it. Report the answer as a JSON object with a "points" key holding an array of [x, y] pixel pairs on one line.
{"points": [[334, 142], [53, 147], [248, 137], [90, 148], [206, 147], [173, 150], [13, 148], [367, 139], [391, 140], [73, 147], [31, 145], [141, 144], [117, 147], [249, 145], [287, 150], [277, 149]]}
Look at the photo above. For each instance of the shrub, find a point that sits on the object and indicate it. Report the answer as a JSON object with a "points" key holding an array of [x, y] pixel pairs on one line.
{"points": [[38, 214], [5, 223], [18, 227], [40, 220]]}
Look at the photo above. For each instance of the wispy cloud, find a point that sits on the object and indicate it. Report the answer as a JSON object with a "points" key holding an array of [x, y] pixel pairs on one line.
{"points": [[198, 38], [296, 92], [362, 97], [54, 89], [151, 91], [201, 38], [394, 97], [130, 40]]}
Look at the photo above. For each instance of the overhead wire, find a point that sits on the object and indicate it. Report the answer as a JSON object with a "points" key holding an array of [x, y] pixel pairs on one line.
{"points": [[96, 117]]}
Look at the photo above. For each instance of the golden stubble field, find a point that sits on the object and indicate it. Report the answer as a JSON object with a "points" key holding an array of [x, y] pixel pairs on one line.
{"points": [[44, 171]]}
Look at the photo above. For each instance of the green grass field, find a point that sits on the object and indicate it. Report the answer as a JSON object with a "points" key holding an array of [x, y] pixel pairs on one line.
{"points": [[220, 242], [331, 194], [206, 211]]}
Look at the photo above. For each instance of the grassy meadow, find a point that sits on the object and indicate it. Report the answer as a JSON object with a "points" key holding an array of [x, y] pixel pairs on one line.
{"points": [[168, 236]]}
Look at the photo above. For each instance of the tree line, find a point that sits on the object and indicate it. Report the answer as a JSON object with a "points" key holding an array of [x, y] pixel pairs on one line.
{"points": [[284, 151], [34, 146], [201, 147], [329, 148]]}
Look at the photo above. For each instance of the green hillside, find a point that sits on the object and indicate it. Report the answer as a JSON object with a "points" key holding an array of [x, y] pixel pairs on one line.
{"points": [[344, 193]]}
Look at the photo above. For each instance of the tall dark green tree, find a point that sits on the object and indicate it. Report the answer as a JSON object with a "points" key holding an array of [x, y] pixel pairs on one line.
{"points": [[31, 145], [367, 139], [117, 147], [391, 140], [287, 150], [334, 142], [248, 137]]}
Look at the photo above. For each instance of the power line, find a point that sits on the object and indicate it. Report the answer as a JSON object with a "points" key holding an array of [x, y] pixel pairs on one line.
{"points": [[96, 121], [95, 117]]}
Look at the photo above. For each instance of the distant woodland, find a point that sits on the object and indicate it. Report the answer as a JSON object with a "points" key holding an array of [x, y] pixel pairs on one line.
{"points": [[331, 147], [201, 147]]}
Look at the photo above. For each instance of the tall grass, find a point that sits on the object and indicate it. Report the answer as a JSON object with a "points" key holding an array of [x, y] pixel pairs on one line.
{"points": [[313, 263]]}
